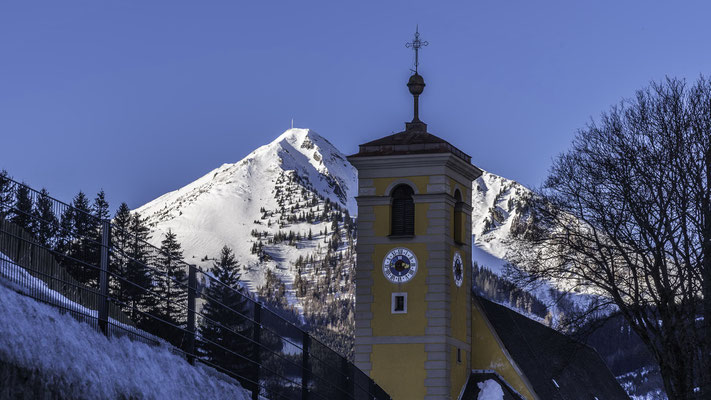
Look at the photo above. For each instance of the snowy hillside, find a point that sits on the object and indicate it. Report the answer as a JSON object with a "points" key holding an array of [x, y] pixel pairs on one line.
{"points": [[57, 354], [281, 187], [498, 209]]}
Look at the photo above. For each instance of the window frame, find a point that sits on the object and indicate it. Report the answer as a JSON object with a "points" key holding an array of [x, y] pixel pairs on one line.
{"points": [[393, 302]]}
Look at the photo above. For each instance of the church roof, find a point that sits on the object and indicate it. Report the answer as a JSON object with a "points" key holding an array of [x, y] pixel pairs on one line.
{"points": [[410, 141], [557, 366]]}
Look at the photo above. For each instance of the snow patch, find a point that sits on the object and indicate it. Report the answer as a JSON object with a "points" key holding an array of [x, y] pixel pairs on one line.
{"points": [[490, 390]]}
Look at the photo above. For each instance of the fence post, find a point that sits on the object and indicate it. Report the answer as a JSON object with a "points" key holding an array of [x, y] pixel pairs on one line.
{"points": [[192, 285], [305, 350], [104, 278], [257, 347]]}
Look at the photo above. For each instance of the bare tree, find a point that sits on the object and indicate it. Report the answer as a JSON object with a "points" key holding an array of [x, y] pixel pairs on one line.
{"points": [[626, 214]]}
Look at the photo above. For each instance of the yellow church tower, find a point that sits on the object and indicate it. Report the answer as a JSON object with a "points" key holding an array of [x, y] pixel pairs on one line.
{"points": [[413, 281]]}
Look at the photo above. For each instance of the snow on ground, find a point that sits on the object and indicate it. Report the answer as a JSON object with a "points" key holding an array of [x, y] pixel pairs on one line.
{"points": [[19, 279], [82, 363], [490, 390]]}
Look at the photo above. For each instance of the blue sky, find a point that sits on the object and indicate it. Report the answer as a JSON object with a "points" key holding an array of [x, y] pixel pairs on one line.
{"points": [[142, 97]]}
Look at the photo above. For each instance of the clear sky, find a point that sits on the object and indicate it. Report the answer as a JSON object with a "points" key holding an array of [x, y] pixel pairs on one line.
{"points": [[142, 97]]}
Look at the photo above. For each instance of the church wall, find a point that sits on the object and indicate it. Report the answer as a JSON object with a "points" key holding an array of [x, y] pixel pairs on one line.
{"points": [[460, 297], [404, 377], [488, 354], [425, 340], [414, 321]]}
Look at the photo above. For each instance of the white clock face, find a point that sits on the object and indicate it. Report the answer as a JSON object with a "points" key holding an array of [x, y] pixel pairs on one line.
{"points": [[399, 265], [458, 269]]}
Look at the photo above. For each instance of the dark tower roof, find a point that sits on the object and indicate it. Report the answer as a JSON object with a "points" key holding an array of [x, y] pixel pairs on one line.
{"points": [[409, 142]]}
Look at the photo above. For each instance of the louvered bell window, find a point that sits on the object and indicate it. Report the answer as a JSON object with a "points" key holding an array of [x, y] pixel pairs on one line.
{"points": [[403, 211]]}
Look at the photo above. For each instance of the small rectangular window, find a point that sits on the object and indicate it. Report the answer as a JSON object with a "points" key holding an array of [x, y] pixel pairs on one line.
{"points": [[459, 355], [399, 303]]}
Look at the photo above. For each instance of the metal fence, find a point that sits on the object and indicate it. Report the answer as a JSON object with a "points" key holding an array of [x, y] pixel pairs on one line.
{"points": [[123, 286]]}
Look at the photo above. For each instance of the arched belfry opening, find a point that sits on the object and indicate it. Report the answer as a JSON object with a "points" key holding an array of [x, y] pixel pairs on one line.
{"points": [[402, 211], [458, 217]]}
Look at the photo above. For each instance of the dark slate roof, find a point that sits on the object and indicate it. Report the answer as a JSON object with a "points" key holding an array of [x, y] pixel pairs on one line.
{"points": [[557, 366], [411, 141], [471, 392]]}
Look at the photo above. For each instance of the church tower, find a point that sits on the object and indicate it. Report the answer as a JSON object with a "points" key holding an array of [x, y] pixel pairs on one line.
{"points": [[413, 272]]}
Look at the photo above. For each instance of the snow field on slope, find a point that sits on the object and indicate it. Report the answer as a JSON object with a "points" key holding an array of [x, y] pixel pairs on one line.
{"points": [[84, 364], [222, 207]]}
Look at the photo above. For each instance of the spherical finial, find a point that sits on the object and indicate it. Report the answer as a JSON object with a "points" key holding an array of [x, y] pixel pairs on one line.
{"points": [[416, 84]]}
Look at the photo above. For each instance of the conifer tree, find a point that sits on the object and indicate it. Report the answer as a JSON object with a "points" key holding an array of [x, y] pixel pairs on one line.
{"points": [[83, 246], [101, 213], [22, 214], [64, 236], [100, 208], [171, 284], [5, 194], [225, 324], [137, 270], [121, 243], [46, 224]]}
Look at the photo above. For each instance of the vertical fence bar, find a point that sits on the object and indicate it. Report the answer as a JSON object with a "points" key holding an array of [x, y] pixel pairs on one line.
{"points": [[192, 284], [257, 347], [103, 306], [305, 350]]}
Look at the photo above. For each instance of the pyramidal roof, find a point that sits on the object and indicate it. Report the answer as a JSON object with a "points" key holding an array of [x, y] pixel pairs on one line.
{"points": [[409, 142]]}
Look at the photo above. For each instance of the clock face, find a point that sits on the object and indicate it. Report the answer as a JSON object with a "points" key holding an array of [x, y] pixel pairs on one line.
{"points": [[458, 269], [399, 265]]}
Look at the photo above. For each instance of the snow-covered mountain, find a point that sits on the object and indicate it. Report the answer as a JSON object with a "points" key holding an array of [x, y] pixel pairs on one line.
{"points": [[274, 199], [498, 215], [281, 198]]}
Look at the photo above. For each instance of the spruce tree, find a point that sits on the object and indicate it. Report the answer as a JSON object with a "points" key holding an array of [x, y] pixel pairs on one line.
{"points": [[100, 212], [100, 208], [22, 213], [225, 323], [64, 237], [121, 244], [138, 272], [83, 246], [172, 287], [45, 223], [5, 194]]}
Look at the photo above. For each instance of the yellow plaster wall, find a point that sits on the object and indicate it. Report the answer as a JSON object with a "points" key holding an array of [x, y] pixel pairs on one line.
{"points": [[381, 184], [459, 373], [413, 323], [466, 193], [459, 299], [487, 353], [466, 198], [400, 369]]}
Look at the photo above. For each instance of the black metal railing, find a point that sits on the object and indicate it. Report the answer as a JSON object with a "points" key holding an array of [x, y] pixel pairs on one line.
{"points": [[113, 279]]}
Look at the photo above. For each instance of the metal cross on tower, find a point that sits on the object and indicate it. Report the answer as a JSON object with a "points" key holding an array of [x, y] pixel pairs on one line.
{"points": [[416, 44]]}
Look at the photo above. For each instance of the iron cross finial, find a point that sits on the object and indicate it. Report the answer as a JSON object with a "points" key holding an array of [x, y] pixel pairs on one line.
{"points": [[416, 44]]}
